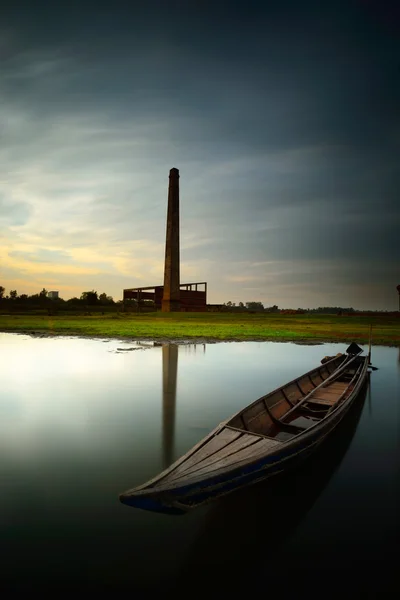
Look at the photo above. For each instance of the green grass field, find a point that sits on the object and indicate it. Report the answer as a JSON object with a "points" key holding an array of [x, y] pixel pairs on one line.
{"points": [[213, 326]]}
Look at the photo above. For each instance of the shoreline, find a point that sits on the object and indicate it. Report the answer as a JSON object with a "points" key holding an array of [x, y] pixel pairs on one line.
{"points": [[197, 340]]}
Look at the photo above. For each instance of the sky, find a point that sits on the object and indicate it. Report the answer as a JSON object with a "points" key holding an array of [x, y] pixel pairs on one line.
{"points": [[283, 118]]}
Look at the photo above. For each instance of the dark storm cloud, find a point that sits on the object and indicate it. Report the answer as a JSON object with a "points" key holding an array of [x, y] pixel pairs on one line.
{"points": [[269, 78], [283, 118]]}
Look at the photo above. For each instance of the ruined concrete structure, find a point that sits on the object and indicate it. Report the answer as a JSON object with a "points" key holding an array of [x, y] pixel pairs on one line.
{"points": [[173, 295], [191, 298]]}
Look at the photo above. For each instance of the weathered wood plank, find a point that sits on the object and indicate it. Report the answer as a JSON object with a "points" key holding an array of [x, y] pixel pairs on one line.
{"points": [[328, 391], [331, 392], [244, 441], [223, 439], [326, 399], [322, 401], [331, 367], [239, 423], [256, 450], [293, 393], [316, 378], [254, 414], [337, 385], [305, 385], [324, 372], [274, 398], [261, 423]]}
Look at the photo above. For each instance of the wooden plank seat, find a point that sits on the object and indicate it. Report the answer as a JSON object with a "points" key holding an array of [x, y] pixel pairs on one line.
{"points": [[327, 396], [320, 402]]}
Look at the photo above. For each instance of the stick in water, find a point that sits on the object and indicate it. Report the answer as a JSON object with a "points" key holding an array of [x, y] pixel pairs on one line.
{"points": [[370, 340]]}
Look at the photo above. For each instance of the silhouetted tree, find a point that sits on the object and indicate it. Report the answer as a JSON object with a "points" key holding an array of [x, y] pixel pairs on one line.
{"points": [[2, 290], [255, 305], [13, 294], [90, 297], [43, 293], [272, 309], [331, 310], [104, 299]]}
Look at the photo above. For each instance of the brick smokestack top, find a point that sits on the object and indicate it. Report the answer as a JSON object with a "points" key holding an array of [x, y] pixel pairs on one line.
{"points": [[171, 297]]}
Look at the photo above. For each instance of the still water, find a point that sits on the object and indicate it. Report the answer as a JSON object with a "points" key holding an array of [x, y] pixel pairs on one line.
{"points": [[83, 420]]}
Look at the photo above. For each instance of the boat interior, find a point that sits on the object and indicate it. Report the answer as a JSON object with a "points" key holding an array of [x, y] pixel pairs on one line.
{"points": [[298, 405]]}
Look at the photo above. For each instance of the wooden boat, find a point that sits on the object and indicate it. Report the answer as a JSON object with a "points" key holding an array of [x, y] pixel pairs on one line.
{"points": [[219, 547], [263, 439]]}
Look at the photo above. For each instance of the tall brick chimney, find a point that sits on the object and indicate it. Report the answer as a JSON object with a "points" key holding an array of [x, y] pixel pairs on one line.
{"points": [[171, 297]]}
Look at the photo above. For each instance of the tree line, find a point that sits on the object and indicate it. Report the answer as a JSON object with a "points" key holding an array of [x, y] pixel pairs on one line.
{"points": [[250, 306], [259, 306], [89, 298], [92, 299]]}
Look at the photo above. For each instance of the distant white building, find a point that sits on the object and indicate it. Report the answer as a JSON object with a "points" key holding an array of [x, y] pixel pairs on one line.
{"points": [[52, 295]]}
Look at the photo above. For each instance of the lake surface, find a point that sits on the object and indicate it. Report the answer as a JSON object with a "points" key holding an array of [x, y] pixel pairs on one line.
{"points": [[83, 420]]}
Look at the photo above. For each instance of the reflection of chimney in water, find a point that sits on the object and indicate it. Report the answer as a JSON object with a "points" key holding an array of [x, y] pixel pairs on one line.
{"points": [[170, 369]]}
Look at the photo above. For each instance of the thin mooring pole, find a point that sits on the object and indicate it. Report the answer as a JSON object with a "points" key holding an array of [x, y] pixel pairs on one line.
{"points": [[370, 342]]}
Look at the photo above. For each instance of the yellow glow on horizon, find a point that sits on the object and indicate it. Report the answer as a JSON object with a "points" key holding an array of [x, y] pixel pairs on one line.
{"points": [[142, 261]]}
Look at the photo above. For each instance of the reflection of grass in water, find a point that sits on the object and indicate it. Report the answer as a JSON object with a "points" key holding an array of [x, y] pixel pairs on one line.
{"points": [[214, 325]]}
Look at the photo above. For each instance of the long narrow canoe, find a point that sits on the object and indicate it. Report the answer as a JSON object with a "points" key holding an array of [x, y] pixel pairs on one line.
{"points": [[263, 439]]}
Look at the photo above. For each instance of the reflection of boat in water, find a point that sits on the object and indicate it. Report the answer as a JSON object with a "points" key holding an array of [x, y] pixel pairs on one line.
{"points": [[246, 530], [263, 439]]}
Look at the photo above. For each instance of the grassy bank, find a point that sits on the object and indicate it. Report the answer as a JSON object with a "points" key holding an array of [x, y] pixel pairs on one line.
{"points": [[213, 326]]}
